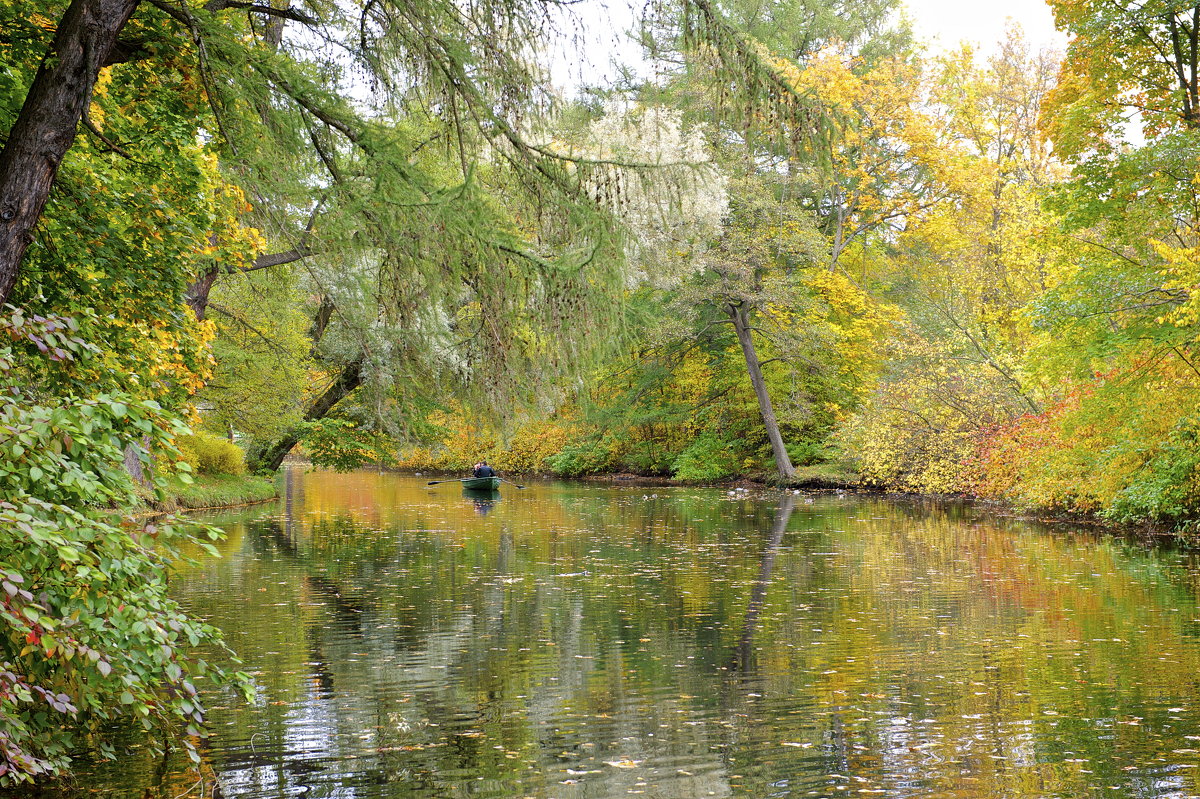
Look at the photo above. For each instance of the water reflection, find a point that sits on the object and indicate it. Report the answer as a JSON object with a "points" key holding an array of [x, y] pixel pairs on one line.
{"points": [[743, 652], [483, 501], [581, 641]]}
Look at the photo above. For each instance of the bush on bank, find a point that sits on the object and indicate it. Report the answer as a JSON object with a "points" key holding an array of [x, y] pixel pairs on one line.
{"points": [[209, 454], [88, 632]]}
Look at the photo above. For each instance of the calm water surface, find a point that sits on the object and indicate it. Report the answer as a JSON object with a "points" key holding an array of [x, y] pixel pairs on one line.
{"points": [[577, 641]]}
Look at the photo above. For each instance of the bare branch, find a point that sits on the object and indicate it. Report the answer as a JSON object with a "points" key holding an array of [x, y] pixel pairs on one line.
{"points": [[279, 258], [95, 131]]}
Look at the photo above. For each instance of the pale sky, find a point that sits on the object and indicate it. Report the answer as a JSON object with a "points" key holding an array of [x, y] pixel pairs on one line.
{"points": [[600, 27], [945, 23]]}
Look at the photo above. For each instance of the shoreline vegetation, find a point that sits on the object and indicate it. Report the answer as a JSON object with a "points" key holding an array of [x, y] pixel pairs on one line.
{"points": [[211, 491], [830, 478]]}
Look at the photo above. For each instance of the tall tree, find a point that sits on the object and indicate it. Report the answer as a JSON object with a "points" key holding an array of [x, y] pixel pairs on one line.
{"points": [[84, 41]]}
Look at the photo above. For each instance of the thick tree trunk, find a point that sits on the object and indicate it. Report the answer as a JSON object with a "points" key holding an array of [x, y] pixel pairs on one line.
{"points": [[270, 456], [741, 324], [48, 120]]}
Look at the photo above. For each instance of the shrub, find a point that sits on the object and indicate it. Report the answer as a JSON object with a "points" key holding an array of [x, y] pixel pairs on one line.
{"points": [[89, 635], [706, 458], [1098, 450], [530, 447], [581, 457], [187, 454], [808, 452], [212, 455]]}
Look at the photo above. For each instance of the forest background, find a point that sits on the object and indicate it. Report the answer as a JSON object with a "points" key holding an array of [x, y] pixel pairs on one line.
{"points": [[794, 239]]}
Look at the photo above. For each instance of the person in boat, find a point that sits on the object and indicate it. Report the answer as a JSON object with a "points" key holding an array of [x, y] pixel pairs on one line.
{"points": [[483, 470]]}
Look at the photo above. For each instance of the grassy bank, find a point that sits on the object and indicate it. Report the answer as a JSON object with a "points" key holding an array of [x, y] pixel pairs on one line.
{"points": [[220, 491], [825, 475]]}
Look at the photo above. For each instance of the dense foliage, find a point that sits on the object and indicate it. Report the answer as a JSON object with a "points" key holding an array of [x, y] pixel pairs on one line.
{"points": [[800, 245], [987, 284]]}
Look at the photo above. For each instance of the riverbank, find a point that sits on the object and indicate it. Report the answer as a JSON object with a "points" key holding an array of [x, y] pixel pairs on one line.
{"points": [[822, 477], [218, 491]]}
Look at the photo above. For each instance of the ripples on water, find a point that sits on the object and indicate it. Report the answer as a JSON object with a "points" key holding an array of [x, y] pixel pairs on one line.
{"points": [[571, 641]]}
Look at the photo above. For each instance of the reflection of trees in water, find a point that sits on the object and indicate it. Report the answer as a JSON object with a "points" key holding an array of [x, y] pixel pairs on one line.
{"points": [[274, 532], [741, 661], [466, 669], [467, 629]]}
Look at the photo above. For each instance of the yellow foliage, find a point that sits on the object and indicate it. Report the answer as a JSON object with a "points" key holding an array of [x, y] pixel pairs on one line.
{"points": [[212, 455], [465, 441], [1181, 268]]}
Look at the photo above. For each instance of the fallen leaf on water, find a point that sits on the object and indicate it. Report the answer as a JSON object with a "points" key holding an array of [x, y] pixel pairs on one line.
{"points": [[623, 763]]}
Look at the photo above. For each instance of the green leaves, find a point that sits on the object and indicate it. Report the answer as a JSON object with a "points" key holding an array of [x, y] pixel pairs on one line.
{"points": [[87, 629]]}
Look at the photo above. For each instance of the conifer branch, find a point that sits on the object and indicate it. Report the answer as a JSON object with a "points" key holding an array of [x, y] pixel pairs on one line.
{"points": [[213, 6], [242, 322]]}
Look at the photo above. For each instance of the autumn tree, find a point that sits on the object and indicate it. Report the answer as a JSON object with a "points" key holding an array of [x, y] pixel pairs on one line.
{"points": [[965, 270], [1119, 321]]}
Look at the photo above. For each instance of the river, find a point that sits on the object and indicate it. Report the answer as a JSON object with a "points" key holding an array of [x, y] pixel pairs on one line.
{"points": [[572, 641]]}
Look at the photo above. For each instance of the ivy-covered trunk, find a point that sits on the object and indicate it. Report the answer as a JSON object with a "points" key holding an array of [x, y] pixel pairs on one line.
{"points": [[741, 324]]}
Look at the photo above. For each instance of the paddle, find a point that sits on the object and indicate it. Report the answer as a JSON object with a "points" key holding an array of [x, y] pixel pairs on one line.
{"points": [[435, 482], [510, 482]]}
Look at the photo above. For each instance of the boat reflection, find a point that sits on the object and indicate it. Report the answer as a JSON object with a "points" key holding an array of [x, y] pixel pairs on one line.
{"points": [[484, 500]]}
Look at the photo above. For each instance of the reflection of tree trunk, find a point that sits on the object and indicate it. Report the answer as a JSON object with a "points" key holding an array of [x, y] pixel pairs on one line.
{"points": [[316, 655], [270, 456], [504, 555], [741, 323], [348, 608], [742, 652]]}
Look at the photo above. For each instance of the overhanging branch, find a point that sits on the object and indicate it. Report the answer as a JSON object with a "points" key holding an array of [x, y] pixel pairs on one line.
{"points": [[213, 6]]}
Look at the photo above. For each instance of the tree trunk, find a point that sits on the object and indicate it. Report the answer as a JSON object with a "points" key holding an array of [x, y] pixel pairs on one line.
{"points": [[741, 323], [270, 456], [46, 126], [197, 292]]}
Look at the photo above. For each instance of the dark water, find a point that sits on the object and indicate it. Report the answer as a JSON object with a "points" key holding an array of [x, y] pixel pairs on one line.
{"points": [[571, 641]]}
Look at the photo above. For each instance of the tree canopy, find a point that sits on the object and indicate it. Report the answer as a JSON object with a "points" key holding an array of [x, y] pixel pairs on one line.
{"points": [[376, 230]]}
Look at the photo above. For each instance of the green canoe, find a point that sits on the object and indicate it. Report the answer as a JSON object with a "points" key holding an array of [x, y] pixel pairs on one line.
{"points": [[481, 483]]}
